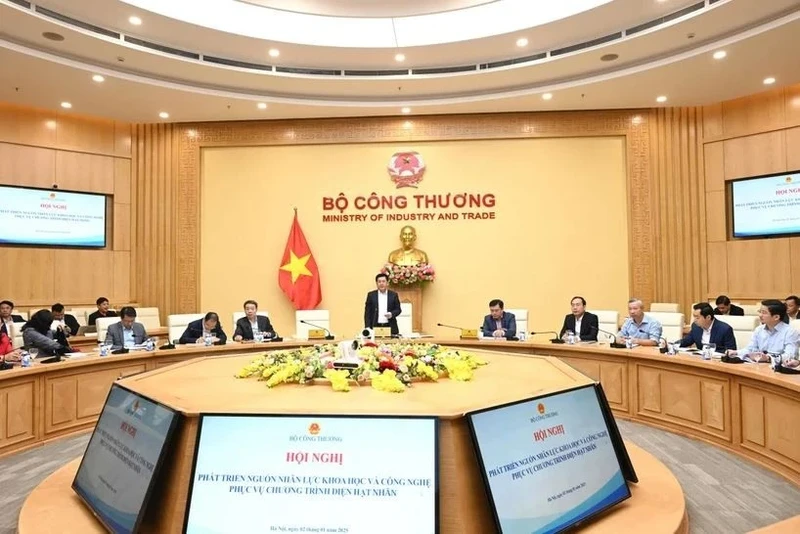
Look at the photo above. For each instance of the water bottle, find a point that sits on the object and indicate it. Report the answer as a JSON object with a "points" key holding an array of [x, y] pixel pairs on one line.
{"points": [[150, 345], [775, 361], [628, 343], [207, 338], [521, 336], [103, 349], [671, 350], [26, 359], [570, 337]]}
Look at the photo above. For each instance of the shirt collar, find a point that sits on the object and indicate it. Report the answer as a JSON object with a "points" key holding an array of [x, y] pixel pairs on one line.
{"points": [[778, 327]]}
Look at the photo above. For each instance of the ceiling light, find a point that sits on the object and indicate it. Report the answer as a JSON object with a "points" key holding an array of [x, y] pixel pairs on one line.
{"points": [[522, 41], [136, 21], [720, 54], [399, 57], [769, 81], [164, 115], [66, 105], [547, 96], [274, 52], [661, 99], [97, 78], [406, 110], [262, 105]]}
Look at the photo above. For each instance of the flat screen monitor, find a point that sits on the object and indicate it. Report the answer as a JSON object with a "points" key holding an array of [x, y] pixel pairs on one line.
{"points": [[766, 206], [52, 217], [122, 460], [307, 473], [548, 462]]}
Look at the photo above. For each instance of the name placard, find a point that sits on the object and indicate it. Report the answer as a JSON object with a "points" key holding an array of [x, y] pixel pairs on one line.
{"points": [[316, 333]]}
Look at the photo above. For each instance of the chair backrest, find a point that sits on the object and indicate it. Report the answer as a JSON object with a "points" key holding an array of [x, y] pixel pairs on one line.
{"points": [[750, 309], [149, 317], [239, 315], [795, 323], [102, 324], [321, 318], [672, 324], [21, 313], [405, 323], [16, 335], [743, 327], [521, 316], [671, 307], [607, 320], [176, 324], [81, 314]]}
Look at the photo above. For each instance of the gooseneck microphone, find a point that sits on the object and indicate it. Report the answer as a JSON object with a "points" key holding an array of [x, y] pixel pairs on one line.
{"points": [[613, 344], [328, 335], [449, 326], [557, 340]]}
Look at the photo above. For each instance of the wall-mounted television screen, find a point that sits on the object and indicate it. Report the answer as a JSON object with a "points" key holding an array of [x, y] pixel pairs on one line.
{"points": [[51, 217], [764, 206], [122, 460], [257, 474], [548, 462]]}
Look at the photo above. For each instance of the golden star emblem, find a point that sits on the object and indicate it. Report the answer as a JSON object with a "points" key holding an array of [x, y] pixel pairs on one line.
{"points": [[297, 266]]}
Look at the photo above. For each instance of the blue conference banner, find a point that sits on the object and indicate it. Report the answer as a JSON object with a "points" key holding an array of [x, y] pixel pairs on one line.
{"points": [[117, 470], [549, 462]]}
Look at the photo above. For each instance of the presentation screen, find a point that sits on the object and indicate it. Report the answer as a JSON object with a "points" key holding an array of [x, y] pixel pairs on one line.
{"points": [[766, 205], [548, 462], [122, 459], [49, 217], [314, 474]]}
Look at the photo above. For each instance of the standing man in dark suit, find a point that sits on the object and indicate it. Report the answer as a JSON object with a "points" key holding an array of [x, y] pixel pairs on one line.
{"points": [[706, 329], [382, 306], [252, 321], [6, 317], [724, 307], [127, 332], [499, 323], [583, 324]]}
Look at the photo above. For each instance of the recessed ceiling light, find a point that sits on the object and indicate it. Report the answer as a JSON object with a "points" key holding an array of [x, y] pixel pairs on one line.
{"points": [[522, 41], [136, 21], [547, 96], [720, 54], [97, 78], [406, 110], [399, 57], [53, 36], [769, 81], [164, 115], [274, 52], [262, 105], [66, 105], [661, 99]]}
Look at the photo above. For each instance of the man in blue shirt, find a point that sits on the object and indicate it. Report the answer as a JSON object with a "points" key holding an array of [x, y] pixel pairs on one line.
{"points": [[638, 326], [774, 336]]}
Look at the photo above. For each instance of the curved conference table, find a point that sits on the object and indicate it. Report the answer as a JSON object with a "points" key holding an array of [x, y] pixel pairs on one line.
{"points": [[745, 408]]}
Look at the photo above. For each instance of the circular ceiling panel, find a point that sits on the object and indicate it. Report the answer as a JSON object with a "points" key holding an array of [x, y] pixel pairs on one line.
{"points": [[368, 8]]}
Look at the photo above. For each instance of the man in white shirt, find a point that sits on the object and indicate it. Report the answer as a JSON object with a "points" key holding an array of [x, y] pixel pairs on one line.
{"points": [[382, 306], [773, 337]]}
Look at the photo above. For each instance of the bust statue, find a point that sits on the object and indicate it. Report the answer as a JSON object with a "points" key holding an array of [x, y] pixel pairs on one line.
{"points": [[408, 255]]}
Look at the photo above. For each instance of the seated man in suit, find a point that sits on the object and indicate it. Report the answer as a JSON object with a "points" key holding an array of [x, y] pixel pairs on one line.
{"points": [[639, 326], [583, 324], [724, 307], [68, 323], [773, 336], [792, 307], [102, 311], [706, 329], [6, 317], [207, 327], [382, 306], [251, 323], [499, 323], [127, 332]]}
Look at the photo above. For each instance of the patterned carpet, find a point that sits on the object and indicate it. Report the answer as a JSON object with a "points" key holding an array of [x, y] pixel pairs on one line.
{"points": [[724, 493]]}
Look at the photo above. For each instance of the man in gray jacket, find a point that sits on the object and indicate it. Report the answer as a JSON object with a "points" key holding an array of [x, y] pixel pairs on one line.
{"points": [[127, 332]]}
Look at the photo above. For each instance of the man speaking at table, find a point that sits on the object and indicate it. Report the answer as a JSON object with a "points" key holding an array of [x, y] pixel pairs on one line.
{"points": [[708, 330], [382, 306]]}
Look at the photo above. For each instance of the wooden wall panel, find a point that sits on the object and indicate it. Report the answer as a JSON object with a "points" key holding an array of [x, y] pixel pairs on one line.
{"points": [[123, 133], [19, 406], [122, 277], [712, 121], [33, 275], [92, 135], [714, 166], [794, 261], [793, 149], [760, 112], [122, 181], [759, 267], [717, 269], [24, 165], [716, 230], [76, 171], [792, 103], [27, 126], [71, 274], [122, 227], [755, 154]]}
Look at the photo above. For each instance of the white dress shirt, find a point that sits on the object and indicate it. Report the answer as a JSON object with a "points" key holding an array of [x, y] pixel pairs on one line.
{"points": [[383, 306], [578, 321], [707, 334]]}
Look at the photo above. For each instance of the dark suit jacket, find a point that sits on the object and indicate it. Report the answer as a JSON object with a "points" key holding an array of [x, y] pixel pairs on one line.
{"points": [[244, 329], [72, 323], [194, 331], [508, 321], [96, 315], [721, 335], [371, 310], [116, 335], [589, 326], [14, 319], [735, 310]]}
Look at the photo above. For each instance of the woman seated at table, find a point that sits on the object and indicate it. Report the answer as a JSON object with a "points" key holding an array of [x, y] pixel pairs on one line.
{"points": [[37, 333], [207, 327], [8, 353]]}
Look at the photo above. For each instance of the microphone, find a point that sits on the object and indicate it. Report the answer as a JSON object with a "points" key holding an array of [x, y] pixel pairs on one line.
{"points": [[613, 344], [662, 350], [328, 335], [466, 333], [449, 326], [557, 340]]}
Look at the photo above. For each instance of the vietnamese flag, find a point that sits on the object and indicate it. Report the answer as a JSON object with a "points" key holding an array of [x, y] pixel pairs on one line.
{"points": [[298, 275]]}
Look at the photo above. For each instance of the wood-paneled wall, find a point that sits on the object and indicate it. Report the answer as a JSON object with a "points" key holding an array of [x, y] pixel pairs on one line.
{"points": [[758, 134], [39, 149]]}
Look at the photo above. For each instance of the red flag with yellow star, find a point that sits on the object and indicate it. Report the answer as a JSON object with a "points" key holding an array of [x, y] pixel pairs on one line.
{"points": [[298, 275]]}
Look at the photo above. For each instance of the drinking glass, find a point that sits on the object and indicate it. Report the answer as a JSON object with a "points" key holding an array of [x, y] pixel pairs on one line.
{"points": [[34, 352]]}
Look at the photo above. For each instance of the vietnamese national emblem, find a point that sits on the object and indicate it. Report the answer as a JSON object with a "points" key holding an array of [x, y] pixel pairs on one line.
{"points": [[406, 169]]}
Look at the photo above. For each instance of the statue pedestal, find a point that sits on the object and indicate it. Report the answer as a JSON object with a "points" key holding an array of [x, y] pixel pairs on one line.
{"points": [[413, 295]]}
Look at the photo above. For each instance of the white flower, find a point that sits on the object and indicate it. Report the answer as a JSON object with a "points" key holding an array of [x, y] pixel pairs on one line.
{"points": [[403, 368]]}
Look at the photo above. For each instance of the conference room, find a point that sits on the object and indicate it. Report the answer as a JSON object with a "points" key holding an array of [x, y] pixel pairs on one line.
{"points": [[549, 249]]}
